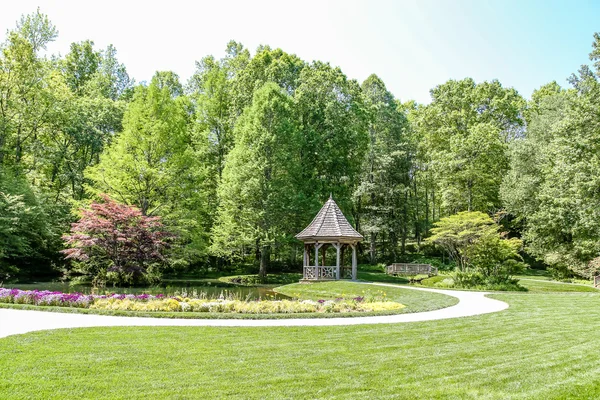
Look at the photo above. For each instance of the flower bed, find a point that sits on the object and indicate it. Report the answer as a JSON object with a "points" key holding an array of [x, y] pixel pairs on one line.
{"points": [[145, 302]]}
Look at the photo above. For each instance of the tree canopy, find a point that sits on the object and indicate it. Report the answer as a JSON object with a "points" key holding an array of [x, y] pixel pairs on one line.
{"points": [[240, 157]]}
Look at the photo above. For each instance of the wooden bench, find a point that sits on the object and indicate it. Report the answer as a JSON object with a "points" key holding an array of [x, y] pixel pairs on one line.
{"points": [[411, 269]]}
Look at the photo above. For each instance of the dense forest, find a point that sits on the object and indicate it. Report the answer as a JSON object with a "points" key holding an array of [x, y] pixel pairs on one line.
{"points": [[239, 158]]}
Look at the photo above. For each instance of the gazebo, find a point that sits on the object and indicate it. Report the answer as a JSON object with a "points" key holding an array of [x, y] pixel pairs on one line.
{"points": [[329, 229]]}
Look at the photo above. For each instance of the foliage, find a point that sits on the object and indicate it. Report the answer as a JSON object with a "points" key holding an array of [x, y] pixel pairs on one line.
{"points": [[49, 133], [116, 243], [551, 188], [333, 117], [380, 197], [483, 256], [28, 229], [476, 280], [464, 133], [151, 164], [458, 232], [201, 154], [258, 192], [496, 258]]}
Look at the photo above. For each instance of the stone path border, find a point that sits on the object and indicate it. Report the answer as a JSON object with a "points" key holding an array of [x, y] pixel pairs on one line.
{"points": [[14, 322]]}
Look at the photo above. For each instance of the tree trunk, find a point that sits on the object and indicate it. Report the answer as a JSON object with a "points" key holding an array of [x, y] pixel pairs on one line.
{"points": [[426, 209], [394, 245], [372, 248], [417, 223], [265, 254], [433, 204], [470, 194]]}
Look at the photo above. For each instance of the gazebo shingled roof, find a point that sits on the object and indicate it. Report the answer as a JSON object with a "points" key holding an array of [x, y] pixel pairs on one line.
{"points": [[330, 224]]}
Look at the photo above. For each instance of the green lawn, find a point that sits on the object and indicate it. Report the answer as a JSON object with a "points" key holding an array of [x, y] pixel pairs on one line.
{"points": [[535, 285], [543, 346], [414, 300]]}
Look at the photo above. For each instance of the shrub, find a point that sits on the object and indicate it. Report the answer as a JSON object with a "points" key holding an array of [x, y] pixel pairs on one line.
{"points": [[115, 243], [484, 257], [476, 280], [371, 268]]}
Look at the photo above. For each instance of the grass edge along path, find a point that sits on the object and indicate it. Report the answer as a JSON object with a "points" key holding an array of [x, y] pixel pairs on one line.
{"points": [[540, 347]]}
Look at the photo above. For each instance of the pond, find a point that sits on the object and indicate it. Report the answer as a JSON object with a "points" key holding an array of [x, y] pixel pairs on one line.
{"points": [[211, 287]]}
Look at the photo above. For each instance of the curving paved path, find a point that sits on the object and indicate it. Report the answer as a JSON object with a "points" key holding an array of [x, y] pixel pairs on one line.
{"points": [[14, 322]]}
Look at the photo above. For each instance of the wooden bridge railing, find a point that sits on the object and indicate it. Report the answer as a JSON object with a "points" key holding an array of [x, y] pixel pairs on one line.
{"points": [[597, 281], [411, 269]]}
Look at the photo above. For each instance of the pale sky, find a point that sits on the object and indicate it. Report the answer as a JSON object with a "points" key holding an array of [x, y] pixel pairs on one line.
{"points": [[412, 45]]}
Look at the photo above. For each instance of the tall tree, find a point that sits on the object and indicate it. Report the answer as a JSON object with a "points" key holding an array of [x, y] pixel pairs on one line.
{"points": [[151, 163], [333, 120], [267, 65], [552, 185], [384, 182], [258, 191], [465, 132]]}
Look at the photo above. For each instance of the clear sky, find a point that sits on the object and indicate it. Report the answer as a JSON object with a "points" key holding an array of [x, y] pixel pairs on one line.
{"points": [[412, 45]]}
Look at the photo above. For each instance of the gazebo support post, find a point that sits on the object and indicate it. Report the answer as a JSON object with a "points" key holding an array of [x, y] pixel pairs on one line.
{"points": [[337, 246], [305, 259], [317, 247], [354, 264]]}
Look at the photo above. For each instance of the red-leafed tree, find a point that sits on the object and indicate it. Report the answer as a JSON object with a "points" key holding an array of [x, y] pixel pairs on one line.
{"points": [[116, 243]]}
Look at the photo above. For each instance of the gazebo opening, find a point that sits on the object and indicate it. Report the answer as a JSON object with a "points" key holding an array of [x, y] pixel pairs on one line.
{"points": [[329, 229]]}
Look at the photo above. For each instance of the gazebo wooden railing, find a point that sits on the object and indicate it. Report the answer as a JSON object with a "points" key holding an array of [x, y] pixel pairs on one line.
{"points": [[411, 269], [597, 281], [325, 272]]}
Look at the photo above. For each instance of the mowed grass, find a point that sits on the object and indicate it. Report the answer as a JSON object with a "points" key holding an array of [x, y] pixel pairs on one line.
{"points": [[543, 347], [535, 285], [414, 300]]}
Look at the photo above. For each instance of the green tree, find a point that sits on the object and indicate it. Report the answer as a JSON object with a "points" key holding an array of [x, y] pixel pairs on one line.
{"points": [[80, 65], [464, 134], [552, 186], [458, 232], [258, 191], [381, 194], [482, 254], [267, 65], [37, 29], [496, 259], [151, 163], [30, 229], [211, 92], [334, 121]]}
